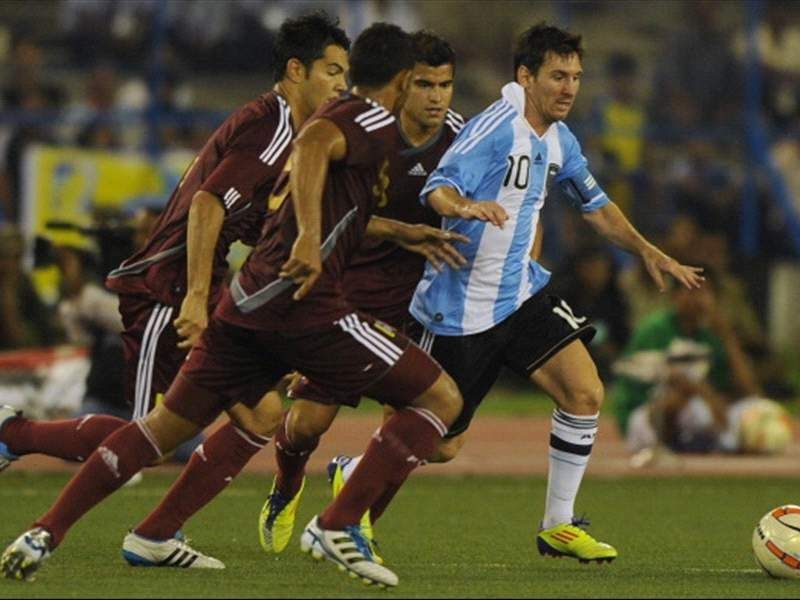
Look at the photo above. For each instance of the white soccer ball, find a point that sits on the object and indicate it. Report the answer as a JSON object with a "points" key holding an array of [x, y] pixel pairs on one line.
{"points": [[776, 542]]}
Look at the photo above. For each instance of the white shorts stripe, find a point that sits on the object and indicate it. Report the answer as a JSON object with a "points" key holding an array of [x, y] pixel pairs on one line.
{"points": [[388, 346], [431, 418], [377, 351], [143, 351], [144, 379]]}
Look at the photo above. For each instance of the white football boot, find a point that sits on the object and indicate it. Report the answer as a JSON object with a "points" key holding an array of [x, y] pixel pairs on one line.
{"points": [[26, 554], [349, 550], [141, 552]]}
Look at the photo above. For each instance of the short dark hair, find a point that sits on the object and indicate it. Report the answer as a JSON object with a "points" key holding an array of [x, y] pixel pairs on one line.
{"points": [[432, 49], [535, 42], [305, 38], [379, 53]]}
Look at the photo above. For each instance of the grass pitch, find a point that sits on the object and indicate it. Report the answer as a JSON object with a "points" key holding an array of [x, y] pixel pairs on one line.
{"points": [[444, 536]]}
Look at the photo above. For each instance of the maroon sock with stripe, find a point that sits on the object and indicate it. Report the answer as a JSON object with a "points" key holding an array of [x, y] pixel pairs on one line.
{"points": [[213, 465], [291, 458], [123, 454], [72, 439], [408, 437]]}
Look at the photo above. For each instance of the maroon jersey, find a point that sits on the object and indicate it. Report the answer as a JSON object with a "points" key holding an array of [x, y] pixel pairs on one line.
{"points": [[382, 276], [353, 189], [239, 164]]}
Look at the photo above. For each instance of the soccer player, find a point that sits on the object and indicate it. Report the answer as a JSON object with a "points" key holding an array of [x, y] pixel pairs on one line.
{"points": [[494, 312], [380, 279], [285, 310], [181, 268]]}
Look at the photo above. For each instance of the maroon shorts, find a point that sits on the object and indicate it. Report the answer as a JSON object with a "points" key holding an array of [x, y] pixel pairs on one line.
{"points": [[306, 388], [352, 357], [152, 358]]}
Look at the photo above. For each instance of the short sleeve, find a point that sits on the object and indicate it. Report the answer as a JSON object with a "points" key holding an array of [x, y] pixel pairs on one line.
{"points": [[252, 159], [574, 178]]}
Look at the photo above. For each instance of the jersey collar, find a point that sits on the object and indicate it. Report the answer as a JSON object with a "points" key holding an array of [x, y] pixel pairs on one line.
{"points": [[514, 94]]}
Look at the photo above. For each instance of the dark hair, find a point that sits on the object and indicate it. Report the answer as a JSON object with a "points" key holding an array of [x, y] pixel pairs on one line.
{"points": [[379, 53], [534, 44], [305, 38], [432, 50]]}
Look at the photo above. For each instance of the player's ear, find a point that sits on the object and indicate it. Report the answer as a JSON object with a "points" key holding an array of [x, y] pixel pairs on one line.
{"points": [[295, 70], [524, 76]]}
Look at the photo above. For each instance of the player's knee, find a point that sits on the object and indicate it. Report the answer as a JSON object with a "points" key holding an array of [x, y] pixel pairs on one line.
{"points": [[443, 399], [168, 429], [448, 449], [586, 399], [305, 426]]}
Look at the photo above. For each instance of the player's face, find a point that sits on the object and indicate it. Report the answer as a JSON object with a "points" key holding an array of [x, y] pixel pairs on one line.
{"points": [[327, 78], [429, 94], [552, 90]]}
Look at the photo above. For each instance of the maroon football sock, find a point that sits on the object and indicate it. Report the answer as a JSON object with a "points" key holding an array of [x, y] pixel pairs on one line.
{"points": [[407, 438], [291, 458], [213, 465], [72, 439], [377, 508], [120, 456]]}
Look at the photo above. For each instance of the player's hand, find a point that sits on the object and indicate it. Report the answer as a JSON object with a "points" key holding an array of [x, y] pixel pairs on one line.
{"points": [[304, 265], [483, 211], [434, 244], [657, 263], [191, 322]]}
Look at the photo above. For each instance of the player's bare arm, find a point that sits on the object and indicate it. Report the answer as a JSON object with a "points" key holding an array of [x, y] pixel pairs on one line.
{"points": [[446, 201], [609, 222], [536, 249], [318, 144], [434, 244], [202, 232]]}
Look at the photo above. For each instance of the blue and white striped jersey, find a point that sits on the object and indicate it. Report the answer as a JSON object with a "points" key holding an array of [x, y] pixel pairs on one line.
{"points": [[498, 156]]}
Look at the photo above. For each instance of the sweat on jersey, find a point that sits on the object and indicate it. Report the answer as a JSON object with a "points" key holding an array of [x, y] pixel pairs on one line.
{"points": [[498, 156]]}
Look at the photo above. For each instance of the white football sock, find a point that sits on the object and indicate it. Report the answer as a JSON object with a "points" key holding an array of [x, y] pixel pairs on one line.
{"points": [[571, 439], [348, 469]]}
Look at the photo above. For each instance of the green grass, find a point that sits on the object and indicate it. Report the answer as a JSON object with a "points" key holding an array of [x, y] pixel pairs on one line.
{"points": [[445, 537]]}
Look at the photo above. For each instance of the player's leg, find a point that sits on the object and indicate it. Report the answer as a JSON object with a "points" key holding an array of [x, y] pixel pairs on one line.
{"points": [[295, 440], [213, 466]]}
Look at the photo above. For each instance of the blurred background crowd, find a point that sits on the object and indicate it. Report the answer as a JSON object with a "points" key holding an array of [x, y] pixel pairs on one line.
{"points": [[689, 114]]}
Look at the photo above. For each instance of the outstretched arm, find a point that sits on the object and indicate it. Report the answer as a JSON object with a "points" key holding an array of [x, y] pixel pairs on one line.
{"points": [[319, 143], [609, 222], [433, 244]]}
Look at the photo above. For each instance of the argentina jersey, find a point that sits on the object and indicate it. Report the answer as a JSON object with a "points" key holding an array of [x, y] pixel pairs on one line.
{"points": [[498, 156]]}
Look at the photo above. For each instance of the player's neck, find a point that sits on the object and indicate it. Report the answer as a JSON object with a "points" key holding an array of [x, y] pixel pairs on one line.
{"points": [[386, 96], [416, 132], [297, 108]]}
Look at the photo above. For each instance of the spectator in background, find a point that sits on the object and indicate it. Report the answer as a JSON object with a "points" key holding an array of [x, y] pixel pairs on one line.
{"points": [[589, 280], [24, 319], [697, 82], [694, 326], [619, 123]]}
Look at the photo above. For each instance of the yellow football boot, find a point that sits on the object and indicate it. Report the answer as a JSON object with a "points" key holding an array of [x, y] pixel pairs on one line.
{"points": [[276, 521], [570, 540]]}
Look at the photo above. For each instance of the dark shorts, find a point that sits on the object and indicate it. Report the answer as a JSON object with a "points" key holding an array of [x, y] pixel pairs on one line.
{"points": [[352, 357], [525, 341], [152, 358], [307, 389]]}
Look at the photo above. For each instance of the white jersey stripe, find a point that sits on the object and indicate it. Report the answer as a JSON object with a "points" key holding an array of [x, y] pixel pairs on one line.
{"points": [[491, 127], [480, 124], [370, 113], [285, 139], [279, 132], [378, 125], [374, 118], [386, 344]]}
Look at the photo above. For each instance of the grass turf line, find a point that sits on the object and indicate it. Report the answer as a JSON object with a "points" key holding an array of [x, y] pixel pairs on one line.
{"points": [[445, 537]]}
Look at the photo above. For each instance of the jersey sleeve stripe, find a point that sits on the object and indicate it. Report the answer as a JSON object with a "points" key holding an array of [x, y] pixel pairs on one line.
{"points": [[379, 124], [273, 156], [491, 127], [480, 122], [374, 118], [279, 133], [456, 116], [368, 114]]}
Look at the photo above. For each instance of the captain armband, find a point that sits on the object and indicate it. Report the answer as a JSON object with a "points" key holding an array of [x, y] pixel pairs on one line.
{"points": [[583, 191]]}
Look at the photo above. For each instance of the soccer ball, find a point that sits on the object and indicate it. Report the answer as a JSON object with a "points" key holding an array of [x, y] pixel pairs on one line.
{"points": [[776, 542]]}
